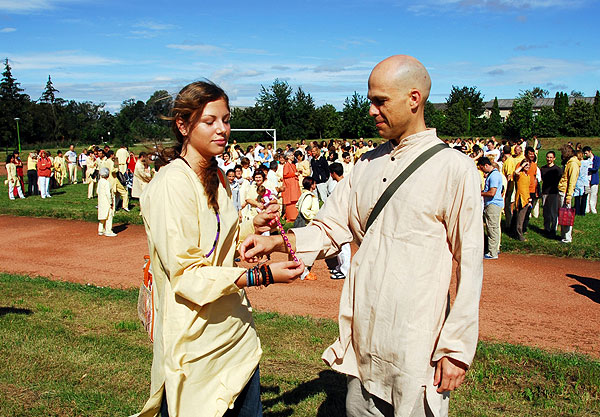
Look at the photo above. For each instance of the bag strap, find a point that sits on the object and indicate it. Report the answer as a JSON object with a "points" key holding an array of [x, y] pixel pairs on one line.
{"points": [[389, 192]]}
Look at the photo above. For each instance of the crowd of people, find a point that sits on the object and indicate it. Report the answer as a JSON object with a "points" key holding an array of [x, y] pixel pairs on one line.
{"points": [[515, 183], [125, 175], [300, 177]]}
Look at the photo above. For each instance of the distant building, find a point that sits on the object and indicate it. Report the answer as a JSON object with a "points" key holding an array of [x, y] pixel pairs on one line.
{"points": [[505, 105]]}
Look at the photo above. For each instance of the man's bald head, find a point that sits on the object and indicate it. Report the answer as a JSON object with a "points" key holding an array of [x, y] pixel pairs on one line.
{"points": [[406, 72], [398, 90]]}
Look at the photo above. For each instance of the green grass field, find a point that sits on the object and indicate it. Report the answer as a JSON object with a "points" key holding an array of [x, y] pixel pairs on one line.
{"points": [[75, 350]]}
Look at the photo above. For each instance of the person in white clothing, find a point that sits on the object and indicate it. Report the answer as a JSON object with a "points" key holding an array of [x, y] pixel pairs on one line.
{"points": [[106, 205], [401, 343], [340, 265], [71, 160]]}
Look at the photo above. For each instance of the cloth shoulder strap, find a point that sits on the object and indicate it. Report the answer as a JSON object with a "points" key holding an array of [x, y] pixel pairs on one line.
{"points": [[389, 192]]}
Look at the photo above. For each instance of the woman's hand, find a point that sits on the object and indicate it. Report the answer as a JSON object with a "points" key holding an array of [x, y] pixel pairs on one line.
{"points": [[257, 246], [286, 272], [266, 220]]}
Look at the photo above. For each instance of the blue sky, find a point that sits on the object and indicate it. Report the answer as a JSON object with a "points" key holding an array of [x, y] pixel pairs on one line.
{"points": [[109, 51]]}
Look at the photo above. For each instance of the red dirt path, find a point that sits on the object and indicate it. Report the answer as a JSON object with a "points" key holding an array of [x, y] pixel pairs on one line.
{"points": [[552, 303]]}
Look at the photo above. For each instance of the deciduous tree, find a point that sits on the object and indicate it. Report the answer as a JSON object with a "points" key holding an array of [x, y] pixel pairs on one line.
{"points": [[356, 122]]}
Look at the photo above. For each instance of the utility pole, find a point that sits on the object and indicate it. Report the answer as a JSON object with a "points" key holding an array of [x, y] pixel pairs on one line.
{"points": [[18, 134]]}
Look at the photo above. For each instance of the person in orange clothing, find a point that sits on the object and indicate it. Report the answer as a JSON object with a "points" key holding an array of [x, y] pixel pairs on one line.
{"points": [[522, 198], [534, 178], [291, 188]]}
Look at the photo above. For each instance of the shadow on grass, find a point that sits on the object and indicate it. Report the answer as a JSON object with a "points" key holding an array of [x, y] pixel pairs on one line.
{"points": [[329, 382], [590, 287], [14, 310]]}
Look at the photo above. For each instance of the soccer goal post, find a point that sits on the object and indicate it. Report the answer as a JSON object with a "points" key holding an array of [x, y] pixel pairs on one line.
{"points": [[270, 132]]}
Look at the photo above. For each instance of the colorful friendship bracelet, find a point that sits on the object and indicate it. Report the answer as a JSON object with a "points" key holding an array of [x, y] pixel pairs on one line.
{"points": [[259, 275]]}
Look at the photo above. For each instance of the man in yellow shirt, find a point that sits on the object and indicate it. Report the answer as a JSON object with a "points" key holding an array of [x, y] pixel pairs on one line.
{"points": [[32, 177]]}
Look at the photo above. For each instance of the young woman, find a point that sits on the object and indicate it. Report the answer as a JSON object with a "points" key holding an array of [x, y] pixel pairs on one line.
{"points": [[13, 181], [206, 350]]}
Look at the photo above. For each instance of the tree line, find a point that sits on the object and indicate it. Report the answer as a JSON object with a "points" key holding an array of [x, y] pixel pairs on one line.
{"points": [[463, 115], [51, 121]]}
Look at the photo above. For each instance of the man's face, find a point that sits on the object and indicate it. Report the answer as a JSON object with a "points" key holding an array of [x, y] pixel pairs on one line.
{"points": [[315, 152], [518, 150], [530, 155], [550, 158], [389, 105], [71, 147], [238, 173], [587, 154], [347, 159], [487, 168]]}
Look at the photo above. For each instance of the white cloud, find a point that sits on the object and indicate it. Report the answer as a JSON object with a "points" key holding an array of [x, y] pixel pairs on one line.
{"points": [[535, 70], [152, 25], [433, 6], [58, 59], [7, 30], [25, 6], [199, 48]]}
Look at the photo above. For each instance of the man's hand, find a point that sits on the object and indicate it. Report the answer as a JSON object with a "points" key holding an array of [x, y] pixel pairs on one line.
{"points": [[449, 374], [266, 220]]}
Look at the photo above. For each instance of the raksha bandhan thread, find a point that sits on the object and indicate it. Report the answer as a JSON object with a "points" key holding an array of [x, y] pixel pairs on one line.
{"points": [[267, 198]]}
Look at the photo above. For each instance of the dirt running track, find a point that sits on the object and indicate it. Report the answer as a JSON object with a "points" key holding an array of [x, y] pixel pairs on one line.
{"points": [[553, 303]]}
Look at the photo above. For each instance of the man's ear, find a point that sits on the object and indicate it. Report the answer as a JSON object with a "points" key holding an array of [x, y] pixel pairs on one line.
{"points": [[415, 98]]}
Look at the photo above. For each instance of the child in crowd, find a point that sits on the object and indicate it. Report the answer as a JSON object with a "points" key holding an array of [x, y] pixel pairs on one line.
{"points": [[106, 205]]}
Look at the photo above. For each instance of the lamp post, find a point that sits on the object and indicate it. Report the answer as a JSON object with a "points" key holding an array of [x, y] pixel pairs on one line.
{"points": [[18, 134], [469, 121]]}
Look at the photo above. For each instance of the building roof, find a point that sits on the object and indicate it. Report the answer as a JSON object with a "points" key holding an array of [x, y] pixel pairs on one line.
{"points": [[507, 103]]}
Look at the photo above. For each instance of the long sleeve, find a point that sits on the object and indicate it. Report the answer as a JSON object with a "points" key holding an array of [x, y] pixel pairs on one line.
{"points": [[179, 223], [458, 338], [329, 229]]}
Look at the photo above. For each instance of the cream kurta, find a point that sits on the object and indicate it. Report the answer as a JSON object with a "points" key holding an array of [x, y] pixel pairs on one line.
{"points": [[205, 345], [394, 302], [105, 199], [11, 174], [141, 177]]}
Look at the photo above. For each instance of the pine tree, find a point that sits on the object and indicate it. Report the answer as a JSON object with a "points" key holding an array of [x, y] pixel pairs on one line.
{"points": [[48, 94], [12, 104], [9, 87], [495, 122]]}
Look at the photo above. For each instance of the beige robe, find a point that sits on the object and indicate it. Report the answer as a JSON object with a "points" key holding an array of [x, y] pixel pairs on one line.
{"points": [[393, 324], [205, 345], [105, 199], [141, 177]]}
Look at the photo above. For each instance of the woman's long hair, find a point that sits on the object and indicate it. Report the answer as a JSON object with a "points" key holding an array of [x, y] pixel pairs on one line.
{"points": [[188, 107]]}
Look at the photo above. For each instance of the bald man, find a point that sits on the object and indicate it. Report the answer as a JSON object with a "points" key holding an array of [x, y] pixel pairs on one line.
{"points": [[402, 345]]}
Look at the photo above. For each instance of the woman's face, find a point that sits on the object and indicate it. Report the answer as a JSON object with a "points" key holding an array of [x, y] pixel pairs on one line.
{"points": [[209, 136]]}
